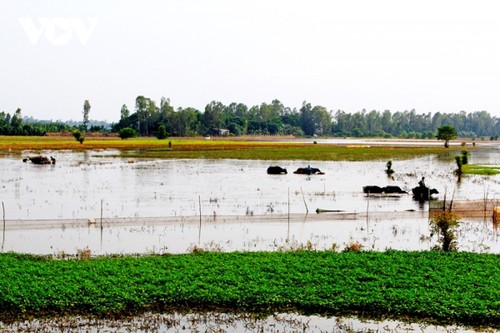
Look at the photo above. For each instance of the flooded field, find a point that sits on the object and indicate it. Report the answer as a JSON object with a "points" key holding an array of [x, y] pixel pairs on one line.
{"points": [[154, 206], [92, 200]]}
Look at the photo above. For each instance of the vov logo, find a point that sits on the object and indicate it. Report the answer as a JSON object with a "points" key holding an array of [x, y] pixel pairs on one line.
{"points": [[58, 31]]}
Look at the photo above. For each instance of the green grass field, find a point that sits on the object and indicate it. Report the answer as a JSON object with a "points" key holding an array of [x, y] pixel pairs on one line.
{"points": [[223, 149], [436, 287]]}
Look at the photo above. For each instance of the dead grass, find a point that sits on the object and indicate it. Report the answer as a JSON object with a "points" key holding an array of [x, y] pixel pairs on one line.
{"points": [[465, 208]]}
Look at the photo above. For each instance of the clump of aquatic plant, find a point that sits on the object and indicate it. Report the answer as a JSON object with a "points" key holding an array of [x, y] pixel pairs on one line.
{"points": [[465, 157], [84, 254], [389, 171], [444, 224], [458, 171], [353, 247], [460, 161]]}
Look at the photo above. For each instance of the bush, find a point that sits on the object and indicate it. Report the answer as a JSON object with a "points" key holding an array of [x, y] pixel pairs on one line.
{"points": [[162, 132], [458, 161], [78, 136], [389, 171], [126, 133], [445, 224], [465, 157]]}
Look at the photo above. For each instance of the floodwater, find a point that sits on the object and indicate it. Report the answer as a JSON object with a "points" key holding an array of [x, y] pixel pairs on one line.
{"points": [[223, 322], [154, 205]]}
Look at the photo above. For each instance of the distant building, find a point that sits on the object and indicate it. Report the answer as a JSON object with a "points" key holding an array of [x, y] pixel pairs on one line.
{"points": [[224, 132]]}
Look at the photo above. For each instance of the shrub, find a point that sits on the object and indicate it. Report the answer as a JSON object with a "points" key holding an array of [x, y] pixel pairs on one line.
{"points": [[458, 161], [389, 171], [465, 157], [78, 136], [444, 224], [126, 133], [162, 132], [353, 247], [84, 254]]}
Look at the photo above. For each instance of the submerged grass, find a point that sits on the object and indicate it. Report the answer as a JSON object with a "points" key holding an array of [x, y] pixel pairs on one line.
{"points": [[476, 169], [222, 149], [446, 288]]}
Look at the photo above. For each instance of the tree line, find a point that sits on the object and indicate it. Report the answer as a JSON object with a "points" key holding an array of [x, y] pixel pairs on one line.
{"points": [[147, 118], [14, 125], [277, 119]]}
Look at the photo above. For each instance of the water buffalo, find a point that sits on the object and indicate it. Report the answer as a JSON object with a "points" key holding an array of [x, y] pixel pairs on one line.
{"points": [[308, 171], [423, 193], [373, 189], [393, 189], [276, 170], [40, 160]]}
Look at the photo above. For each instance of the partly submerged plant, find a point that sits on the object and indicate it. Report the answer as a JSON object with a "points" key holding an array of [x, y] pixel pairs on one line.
{"points": [[353, 247], [444, 224], [465, 157], [388, 169], [458, 161]]}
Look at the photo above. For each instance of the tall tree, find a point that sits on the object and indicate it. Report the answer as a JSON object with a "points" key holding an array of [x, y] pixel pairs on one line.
{"points": [[306, 119], [124, 112], [16, 121], [213, 117], [86, 111], [322, 120], [141, 109]]}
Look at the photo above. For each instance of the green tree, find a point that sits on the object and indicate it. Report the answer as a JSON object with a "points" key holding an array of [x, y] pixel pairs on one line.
{"points": [[322, 120], [16, 121], [124, 112], [141, 110], [86, 111], [446, 133], [213, 117], [306, 119], [315, 120]]}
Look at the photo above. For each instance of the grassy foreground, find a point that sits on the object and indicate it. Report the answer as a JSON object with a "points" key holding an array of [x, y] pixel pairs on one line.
{"points": [[446, 288], [223, 149]]}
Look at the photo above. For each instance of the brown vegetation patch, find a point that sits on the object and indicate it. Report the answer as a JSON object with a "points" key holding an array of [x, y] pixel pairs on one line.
{"points": [[465, 208]]}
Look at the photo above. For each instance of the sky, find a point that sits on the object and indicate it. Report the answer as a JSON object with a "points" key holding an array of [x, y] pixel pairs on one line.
{"points": [[431, 56]]}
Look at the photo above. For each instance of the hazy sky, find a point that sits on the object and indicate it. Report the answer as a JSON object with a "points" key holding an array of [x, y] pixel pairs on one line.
{"points": [[439, 55]]}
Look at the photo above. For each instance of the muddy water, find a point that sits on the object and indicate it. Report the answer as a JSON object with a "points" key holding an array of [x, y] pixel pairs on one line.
{"points": [[222, 322], [231, 195], [243, 208]]}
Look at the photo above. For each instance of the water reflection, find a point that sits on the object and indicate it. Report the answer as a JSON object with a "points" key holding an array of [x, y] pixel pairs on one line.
{"points": [[230, 233]]}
